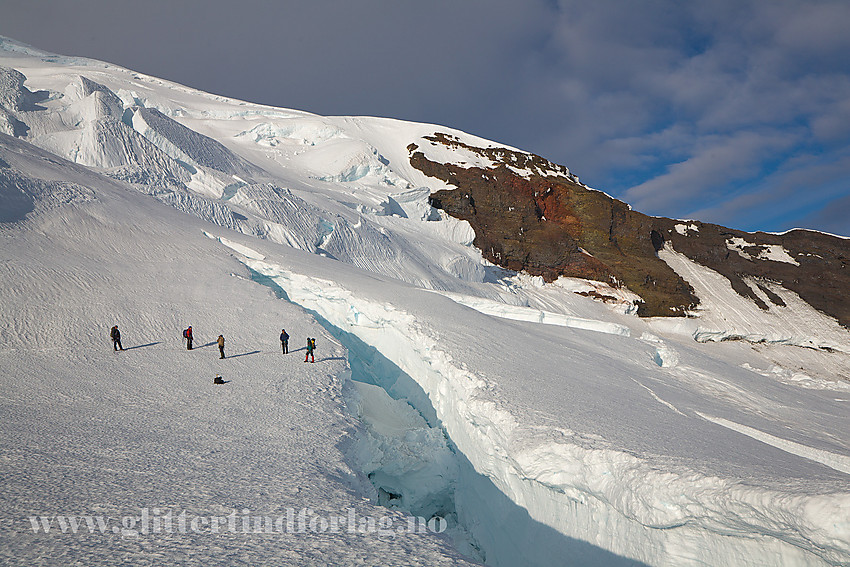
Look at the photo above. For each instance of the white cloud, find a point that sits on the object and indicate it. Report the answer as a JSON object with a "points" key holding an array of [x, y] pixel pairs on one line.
{"points": [[713, 163]]}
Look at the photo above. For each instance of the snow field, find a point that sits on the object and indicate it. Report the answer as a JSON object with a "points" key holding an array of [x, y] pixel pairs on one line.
{"points": [[88, 431], [772, 252]]}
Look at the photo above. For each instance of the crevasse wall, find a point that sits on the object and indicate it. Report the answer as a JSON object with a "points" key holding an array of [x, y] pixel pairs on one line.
{"points": [[606, 498]]}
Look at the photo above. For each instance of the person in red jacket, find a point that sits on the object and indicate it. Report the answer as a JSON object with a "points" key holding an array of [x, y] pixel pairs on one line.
{"points": [[187, 334], [311, 346]]}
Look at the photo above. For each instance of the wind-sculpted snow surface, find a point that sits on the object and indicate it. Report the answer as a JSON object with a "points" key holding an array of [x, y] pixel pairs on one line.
{"points": [[138, 450], [21, 194]]}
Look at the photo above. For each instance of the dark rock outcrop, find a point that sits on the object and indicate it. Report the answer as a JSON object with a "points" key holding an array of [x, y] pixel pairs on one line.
{"points": [[529, 214]]}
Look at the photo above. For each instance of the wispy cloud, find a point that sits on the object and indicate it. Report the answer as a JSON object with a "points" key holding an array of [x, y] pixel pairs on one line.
{"points": [[803, 192], [713, 163], [696, 106]]}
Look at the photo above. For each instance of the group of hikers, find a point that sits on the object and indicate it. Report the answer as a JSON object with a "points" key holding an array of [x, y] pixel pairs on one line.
{"points": [[115, 335], [188, 337]]}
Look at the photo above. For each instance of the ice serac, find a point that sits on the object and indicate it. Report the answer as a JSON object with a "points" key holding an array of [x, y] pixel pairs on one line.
{"points": [[529, 214], [14, 95], [196, 148], [14, 98]]}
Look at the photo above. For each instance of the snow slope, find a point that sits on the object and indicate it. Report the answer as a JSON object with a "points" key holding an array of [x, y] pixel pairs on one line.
{"points": [[89, 431], [541, 424]]}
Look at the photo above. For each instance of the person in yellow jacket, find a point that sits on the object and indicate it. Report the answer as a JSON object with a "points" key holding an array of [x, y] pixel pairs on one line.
{"points": [[220, 342]]}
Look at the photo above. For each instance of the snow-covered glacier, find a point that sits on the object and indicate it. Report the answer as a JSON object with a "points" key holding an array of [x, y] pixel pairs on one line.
{"points": [[545, 426]]}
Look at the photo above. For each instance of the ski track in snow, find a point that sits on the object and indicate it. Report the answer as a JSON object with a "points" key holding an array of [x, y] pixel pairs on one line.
{"points": [[655, 396], [838, 462]]}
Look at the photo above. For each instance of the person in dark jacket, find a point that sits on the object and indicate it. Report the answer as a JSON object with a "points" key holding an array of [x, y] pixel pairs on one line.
{"points": [[284, 341], [311, 346], [115, 334], [220, 342], [187, 334]]}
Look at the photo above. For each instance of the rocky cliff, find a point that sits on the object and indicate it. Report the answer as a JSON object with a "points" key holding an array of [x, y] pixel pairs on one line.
{"points": [[530, 214]]}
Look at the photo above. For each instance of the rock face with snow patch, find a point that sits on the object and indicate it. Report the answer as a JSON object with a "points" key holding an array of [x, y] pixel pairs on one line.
{"points": [[812, 264], [529, 214], [526, 212]]}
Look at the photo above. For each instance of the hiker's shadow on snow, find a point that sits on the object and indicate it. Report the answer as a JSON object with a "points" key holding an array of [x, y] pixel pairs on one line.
{"points": [[244, 354], [299, 349], [206, 345], [331, 358], [142, 346]]}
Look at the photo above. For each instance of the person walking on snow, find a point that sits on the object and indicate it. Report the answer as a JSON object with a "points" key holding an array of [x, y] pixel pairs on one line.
{"points": [[115, 334], [220, 342], [311, 346], [187, 334], [284, 341]]}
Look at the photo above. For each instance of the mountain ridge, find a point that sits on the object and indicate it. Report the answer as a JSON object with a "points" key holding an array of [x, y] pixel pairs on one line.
{"points": [[543, 221], [524, 212]]}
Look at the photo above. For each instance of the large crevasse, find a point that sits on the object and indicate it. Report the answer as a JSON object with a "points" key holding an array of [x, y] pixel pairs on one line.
{"points": [[414, 466], [619, 517]]}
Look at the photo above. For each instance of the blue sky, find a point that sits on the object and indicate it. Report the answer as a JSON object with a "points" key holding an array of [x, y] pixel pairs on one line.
{"points": [[734, 112]]}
